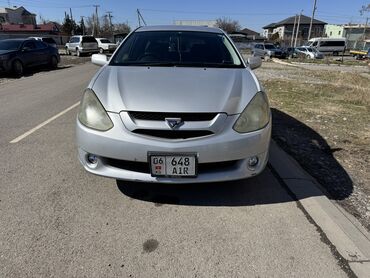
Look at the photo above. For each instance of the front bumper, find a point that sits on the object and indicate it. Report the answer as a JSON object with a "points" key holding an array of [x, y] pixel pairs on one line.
{"points": [[120, 144]]}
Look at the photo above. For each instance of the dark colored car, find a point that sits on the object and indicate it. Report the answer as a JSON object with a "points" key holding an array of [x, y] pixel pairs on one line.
{"points": [[18, 54], [289, 52]]}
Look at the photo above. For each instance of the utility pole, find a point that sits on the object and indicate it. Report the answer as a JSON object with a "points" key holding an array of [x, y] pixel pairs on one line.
{"points": [[140, 18], [297, 32], [96, 22], [313, 15], [292, 39], [110, 21], [364, 33]]}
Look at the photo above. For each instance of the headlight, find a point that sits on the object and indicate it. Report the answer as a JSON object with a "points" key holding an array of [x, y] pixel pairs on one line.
{"points": [[92, 113], [255, 116]]}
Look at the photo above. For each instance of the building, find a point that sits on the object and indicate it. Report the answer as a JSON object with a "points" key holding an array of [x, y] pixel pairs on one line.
{"points": [[16, 15], [356, 35], [208, 23], [334, 31], [282, 31]]}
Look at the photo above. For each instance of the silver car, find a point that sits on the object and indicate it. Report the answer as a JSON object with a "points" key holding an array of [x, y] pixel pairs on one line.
{"points": [[174, 104]]}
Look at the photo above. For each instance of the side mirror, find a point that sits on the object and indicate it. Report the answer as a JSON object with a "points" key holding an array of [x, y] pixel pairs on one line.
{"points": [[99, 59], [254, 62]]}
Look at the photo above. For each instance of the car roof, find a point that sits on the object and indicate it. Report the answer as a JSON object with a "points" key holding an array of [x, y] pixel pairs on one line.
{"points": [[179, 28], [19, 39]]}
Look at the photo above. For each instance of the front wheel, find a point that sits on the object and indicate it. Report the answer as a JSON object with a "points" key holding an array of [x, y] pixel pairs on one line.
{"points": [[17, 68], [101, 50], [78, 53]]}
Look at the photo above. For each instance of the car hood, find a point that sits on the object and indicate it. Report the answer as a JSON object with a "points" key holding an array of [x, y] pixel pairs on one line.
{"points": [[174, 89], [6, 51]]}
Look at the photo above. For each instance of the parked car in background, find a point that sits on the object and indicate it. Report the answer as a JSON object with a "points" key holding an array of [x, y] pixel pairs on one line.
{"points": [[18, 54], [174, 104], [82, 45], [308, 52], [289, 52], [49, 41], [267, 50], [328, 45], [106, 45]]}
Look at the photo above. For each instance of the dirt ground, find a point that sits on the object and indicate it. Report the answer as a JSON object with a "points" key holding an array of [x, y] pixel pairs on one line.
{"points": [[321, 116]]}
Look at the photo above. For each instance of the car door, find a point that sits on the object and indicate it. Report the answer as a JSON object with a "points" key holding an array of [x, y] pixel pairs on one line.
{"points": [[42, 52], [27, 54]]}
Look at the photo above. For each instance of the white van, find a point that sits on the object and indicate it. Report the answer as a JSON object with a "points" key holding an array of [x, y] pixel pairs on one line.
{"points": [[326, 45]]}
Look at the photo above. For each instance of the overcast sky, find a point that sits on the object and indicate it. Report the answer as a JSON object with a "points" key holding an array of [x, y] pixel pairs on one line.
{"points": [[251, 14]]}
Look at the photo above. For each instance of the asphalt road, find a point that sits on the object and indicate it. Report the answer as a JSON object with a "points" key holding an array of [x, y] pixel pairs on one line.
{"points": [[56, 220]]}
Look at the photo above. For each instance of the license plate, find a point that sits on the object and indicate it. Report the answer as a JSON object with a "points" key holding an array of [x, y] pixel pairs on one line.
{"points": [[173, 165]]}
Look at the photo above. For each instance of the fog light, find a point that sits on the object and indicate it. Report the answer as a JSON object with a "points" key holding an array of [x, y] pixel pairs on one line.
{"points": [[92, 158], [253, 161]]}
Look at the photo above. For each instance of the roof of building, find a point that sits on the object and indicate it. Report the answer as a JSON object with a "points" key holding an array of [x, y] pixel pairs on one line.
{"points": [[248, 32], [48, 27], [4, 10], [290, 21]]}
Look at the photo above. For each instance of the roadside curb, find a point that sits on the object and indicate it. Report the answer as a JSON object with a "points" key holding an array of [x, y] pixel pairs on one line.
{"points": [[345, 233], [277, 61]]}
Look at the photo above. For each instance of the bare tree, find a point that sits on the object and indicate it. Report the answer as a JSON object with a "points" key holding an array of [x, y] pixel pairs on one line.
{"points": [[365, 9], [228, 25], [121, 28]]}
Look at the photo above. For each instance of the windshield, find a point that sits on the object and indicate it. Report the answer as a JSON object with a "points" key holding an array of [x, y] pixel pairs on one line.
{"points": [[105, 41], [10, 45], [48, 40], [270, 46], [172, 48]]}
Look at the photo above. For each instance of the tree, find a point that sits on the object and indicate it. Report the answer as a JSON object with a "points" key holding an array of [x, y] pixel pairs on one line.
{"points": [[365, 9], [68, 26], [228, 25], [121, 28]]}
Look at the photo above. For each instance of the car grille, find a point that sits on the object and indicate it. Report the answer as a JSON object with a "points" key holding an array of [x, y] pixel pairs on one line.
{"points": [[143, 167], [159, 116], [173, 134]]}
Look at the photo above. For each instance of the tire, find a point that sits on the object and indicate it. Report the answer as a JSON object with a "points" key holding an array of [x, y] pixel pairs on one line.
{"points": [[335, 53], [17, 68], [101, 50], [78, 53], [53, 62]]}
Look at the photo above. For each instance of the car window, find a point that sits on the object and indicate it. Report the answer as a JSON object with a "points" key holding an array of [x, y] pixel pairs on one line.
{"points": [[29, 45], [269, 46], [105, 41], [48, 40], [40, 45], [197, 49], [88, 39], [10, 45]]}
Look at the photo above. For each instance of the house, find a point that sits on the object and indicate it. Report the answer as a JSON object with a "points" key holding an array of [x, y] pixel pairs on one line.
{"points": [[283, 30], [356, 35], [16, 15], [334, 31], [50, 28]]}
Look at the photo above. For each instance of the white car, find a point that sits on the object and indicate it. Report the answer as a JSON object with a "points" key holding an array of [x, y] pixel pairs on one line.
{"points": [[174, 104], [106, 45], [309, 52]]}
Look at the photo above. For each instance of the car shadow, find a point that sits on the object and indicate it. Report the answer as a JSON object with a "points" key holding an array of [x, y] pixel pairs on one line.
{"points": [[296, 138], [313, 153], [263, 189], [31, 71]]}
